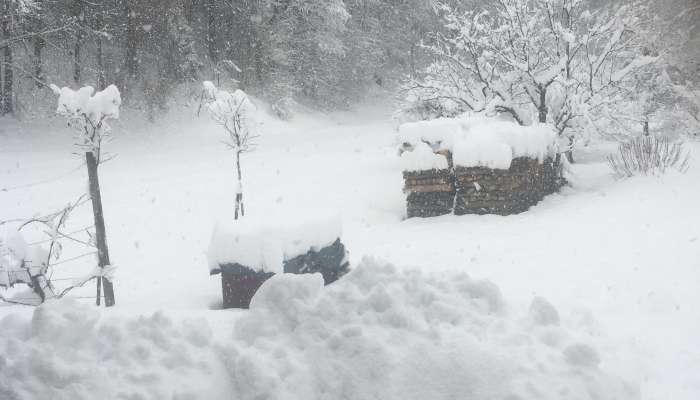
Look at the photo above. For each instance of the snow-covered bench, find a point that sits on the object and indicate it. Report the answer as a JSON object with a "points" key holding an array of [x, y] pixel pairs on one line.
{"points": [[248, 251]]}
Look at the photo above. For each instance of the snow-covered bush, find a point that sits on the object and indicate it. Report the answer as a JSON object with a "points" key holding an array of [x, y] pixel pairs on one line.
{"points": [[648, 155], [236, 114], [21, 263]]}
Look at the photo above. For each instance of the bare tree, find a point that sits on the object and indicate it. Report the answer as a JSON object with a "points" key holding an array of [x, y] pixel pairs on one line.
{"points": [[234, 112]]}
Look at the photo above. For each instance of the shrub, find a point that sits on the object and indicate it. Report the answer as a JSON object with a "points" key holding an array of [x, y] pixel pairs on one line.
{"points": [[649, 155]]}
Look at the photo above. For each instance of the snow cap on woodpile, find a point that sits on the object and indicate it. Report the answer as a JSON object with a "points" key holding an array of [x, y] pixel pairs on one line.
{"points": [[475, 141], [264, 242]]}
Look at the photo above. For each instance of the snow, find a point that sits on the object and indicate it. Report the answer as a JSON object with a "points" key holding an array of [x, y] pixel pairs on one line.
{"points": [[381, 332], [225, 105], [422, 158], [101, 105], [264, 241], [442, 337], [617, 260], [18, 260], [69, 351], [543, 312], [440, 131], [478, 141]]}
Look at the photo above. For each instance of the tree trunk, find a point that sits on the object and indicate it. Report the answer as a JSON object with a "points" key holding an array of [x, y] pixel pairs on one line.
{"points": [[412, 60], [542, 107], [131, 44], [100, 232], [101, 84], [6, 94], [570, 152], [211, 30], [239, 188], [39, 44], [101, 81], [78, 12]]}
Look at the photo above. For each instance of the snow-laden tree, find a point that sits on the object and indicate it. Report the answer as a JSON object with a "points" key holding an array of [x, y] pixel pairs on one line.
{"points": [[550, 61], [89, 113], [236, 114]]}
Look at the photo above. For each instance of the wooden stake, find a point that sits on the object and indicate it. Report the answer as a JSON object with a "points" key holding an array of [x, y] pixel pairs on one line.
{"points": [[100, 232]]}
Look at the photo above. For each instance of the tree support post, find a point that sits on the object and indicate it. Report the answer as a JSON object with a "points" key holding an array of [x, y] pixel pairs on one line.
{"points": [[100, 232]]}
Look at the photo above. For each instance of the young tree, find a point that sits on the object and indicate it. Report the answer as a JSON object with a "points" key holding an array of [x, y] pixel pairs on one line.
{"points": [[235, 112], [88, 113]]}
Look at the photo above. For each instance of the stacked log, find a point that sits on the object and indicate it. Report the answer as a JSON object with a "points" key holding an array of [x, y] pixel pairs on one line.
{"points": [[480, 190], [430, 193]]}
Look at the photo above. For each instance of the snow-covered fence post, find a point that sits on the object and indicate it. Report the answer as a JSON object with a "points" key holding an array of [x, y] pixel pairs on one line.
{"points": [[233, 111], [88, 114]]}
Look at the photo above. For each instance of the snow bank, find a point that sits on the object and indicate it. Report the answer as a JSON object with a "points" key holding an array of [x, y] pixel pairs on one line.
{"points": [[386, 334], [380, 333], [264, 242], [67, 351], [480, 141]]}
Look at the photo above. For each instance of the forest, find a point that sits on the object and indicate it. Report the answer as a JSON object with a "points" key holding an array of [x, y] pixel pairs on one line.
{"points": [[328, 54]]}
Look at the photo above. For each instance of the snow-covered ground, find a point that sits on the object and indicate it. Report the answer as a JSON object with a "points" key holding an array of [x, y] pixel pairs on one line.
{"points": [[619, 260]]}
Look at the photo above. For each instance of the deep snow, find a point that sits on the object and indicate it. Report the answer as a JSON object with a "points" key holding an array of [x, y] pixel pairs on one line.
{"points": [[381, 333], [619, 260]]}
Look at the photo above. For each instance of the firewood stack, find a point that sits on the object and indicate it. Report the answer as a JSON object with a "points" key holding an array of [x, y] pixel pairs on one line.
{"points": [[430, 193], [480, 190]]}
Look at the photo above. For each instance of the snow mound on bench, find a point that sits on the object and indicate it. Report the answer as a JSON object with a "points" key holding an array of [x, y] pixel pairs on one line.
{"points": [[263, 242], [379, 333], [478, 141]]}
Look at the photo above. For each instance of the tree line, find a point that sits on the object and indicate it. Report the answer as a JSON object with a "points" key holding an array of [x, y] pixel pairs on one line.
{"points": [[326, 52]]}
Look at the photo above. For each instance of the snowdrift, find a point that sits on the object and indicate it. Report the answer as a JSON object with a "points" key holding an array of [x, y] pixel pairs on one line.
{"points": [[380, 333]]}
